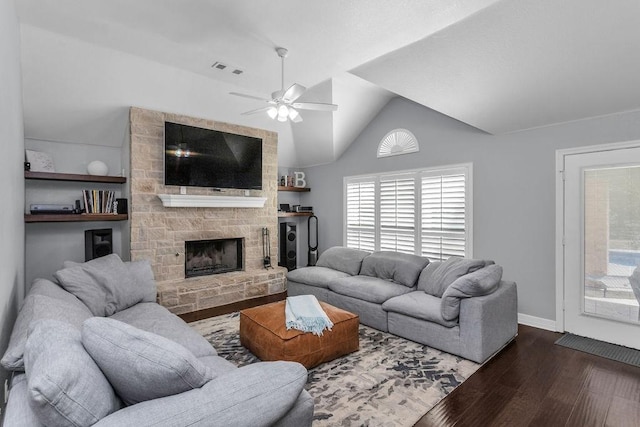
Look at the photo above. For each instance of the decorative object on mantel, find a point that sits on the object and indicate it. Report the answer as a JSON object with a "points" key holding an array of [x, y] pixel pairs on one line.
{"points": [[39, 161], [97, 167], [189, 200]]}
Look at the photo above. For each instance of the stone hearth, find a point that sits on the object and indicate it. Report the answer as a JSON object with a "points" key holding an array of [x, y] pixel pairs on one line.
{"points": [[159, 233]]}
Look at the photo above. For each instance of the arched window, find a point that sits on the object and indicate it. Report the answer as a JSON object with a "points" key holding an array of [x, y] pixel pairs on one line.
{"points": [[396, 142]]}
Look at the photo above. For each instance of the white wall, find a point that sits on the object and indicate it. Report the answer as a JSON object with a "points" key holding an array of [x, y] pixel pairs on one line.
{"points": [[513, 182], [11, 176], [48, 245]]}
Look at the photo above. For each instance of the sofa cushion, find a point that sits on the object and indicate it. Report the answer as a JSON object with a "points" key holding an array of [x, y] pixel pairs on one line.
{"points": [[217, 365], [52, 290], [65, 386], [259, 394], [426, 273], [140, 271], [103, 284], [316, 276], [478, 283], [401, 268], [342, 259], [419, 305], [38, 306], [449, 271], [371, 289], [154, 318], [141, 365], [18, 411]]}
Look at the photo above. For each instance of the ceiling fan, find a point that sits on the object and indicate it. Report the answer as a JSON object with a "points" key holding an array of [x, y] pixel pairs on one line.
{"points": [[282, 105]]}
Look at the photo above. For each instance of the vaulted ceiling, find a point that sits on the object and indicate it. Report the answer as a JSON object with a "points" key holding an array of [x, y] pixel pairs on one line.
{"points": [[501, 66]]}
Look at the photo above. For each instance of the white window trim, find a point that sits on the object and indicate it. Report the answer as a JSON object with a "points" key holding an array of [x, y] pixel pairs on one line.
{"points": [[466, 168]]}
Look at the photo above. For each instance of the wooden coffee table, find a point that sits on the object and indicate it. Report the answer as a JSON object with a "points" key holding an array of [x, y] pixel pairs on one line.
{"points": [[264, 333]]}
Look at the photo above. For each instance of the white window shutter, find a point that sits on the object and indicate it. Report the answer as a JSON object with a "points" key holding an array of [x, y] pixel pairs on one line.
{"points": [[443, 216], [361, 211], [397, 214]]}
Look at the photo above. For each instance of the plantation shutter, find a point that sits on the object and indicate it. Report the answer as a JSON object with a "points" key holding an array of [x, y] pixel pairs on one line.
{"points": [[361, 214], [397, 213], [443, 232]]}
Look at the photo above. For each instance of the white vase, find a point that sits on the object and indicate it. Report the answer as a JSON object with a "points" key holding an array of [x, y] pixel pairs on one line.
{"points": [[97, 168]]}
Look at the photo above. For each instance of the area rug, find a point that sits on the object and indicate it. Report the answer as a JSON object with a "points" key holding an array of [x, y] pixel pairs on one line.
{"points": [[390, 381], [615, 352]]}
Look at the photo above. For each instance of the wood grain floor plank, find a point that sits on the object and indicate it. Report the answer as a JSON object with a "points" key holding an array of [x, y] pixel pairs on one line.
{"points": [[534, 382], [623, 413]]}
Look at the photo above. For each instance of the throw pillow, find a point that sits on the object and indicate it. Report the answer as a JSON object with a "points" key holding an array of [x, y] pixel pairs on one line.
{"points": [[65, 386], [478, 283], [450, 270], [141, 365], [38, 307], [142, 273], [103, 284], [397, 267], [342, 259]]}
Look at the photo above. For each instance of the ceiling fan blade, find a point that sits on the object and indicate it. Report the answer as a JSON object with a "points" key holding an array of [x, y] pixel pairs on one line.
{"points": [[293, 93], [256, 111], [318, 106], [249, 96]]}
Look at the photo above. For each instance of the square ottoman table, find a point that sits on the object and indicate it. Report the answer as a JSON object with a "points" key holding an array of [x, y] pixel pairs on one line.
{"points": [[264, 333]]}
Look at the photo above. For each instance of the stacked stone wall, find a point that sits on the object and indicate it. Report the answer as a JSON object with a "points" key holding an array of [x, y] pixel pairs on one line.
{"points": [[158, 233]]}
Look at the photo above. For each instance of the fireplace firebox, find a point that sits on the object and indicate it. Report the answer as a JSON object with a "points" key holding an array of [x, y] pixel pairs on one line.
{"points": [[204, 257]]}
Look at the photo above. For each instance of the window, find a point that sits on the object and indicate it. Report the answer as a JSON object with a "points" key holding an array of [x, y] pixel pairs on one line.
{"points": [[396, 142], [425, 212]]}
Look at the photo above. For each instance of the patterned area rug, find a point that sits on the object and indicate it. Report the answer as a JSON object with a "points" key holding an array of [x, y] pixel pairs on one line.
{"points": [[390, 381]]}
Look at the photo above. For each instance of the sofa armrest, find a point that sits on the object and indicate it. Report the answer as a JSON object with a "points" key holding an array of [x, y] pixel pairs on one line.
{"points": [[255, 395], [489, 322]]}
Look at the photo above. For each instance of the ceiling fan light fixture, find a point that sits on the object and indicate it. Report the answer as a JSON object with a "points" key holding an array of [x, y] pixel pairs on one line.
{"points": [[283, 113], [293, 114], [272, 112]]}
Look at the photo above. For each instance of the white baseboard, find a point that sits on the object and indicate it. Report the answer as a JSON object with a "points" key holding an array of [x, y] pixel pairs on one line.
{"points": [[537, 322]]}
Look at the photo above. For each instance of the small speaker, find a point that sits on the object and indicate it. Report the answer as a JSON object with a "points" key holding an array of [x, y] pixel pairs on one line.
{"points": [[97, 243], [288, 242], [123, 206]]}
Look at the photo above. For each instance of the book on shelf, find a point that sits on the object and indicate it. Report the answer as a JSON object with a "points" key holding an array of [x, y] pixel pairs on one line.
{"points": [[99, 201]]}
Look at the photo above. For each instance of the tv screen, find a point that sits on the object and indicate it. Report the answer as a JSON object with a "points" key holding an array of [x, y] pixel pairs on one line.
{"points": [[209, 158]]}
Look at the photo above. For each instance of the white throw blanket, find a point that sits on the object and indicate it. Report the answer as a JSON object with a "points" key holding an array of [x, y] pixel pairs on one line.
{"points": [[304, 313]]}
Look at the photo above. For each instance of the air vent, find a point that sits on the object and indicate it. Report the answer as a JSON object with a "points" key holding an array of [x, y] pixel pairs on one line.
{"points": [[227, 68], [396, 142]]}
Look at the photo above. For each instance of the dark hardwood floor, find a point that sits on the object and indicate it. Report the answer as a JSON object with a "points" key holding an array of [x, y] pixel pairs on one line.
{"points": [[533, 382]]}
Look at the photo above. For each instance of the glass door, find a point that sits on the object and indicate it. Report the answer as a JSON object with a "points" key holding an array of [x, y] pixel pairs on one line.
{"points": [[602, 245]]}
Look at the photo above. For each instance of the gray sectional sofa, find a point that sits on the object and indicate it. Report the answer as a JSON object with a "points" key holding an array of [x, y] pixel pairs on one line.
{"points": [[95, 348], [460, 306]]}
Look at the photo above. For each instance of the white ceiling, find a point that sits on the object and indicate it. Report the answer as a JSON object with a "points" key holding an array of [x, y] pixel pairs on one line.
{"points": [[500, 66]]}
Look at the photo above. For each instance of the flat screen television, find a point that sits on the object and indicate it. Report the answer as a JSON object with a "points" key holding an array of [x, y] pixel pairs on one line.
{"points": [[209, 158]]}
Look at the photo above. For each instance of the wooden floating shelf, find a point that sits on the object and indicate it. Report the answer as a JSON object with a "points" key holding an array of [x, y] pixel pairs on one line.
{"points": [[297, 189], [74, 217], [53, 176], [288, 214]]}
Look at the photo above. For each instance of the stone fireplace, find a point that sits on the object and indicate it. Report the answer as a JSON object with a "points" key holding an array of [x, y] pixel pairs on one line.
{"points": [[206, 257], [160, 233]]}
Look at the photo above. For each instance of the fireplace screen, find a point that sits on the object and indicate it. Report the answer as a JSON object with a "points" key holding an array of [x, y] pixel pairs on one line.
{"points": [[204, 257]]}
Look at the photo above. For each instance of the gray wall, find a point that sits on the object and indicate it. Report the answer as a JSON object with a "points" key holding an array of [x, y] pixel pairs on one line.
{"points": [[513, 185], [11, 177], [48, 245]]}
